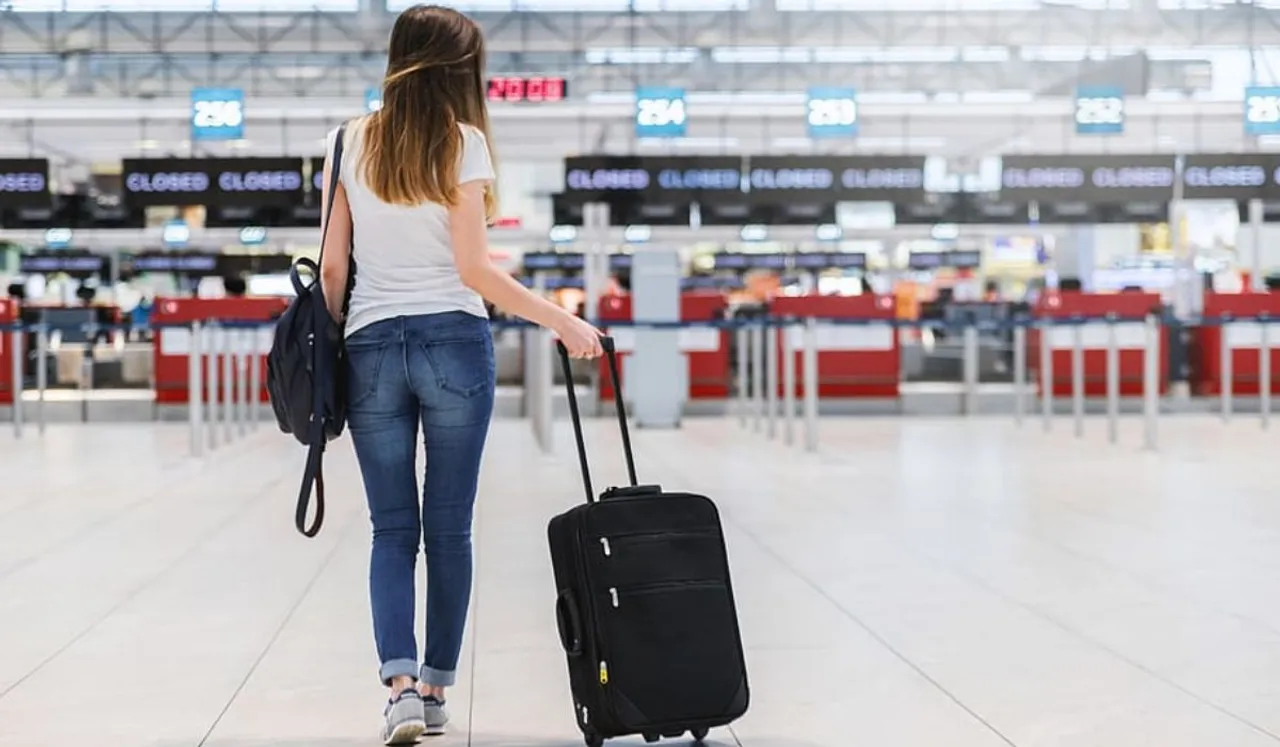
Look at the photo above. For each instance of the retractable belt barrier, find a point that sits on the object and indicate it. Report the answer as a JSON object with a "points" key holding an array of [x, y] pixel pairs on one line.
{"points": [[224, 376], [226, 365]]}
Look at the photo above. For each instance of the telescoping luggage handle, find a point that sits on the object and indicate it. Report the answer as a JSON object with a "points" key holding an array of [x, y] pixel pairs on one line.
{"points": [[610, 354]]}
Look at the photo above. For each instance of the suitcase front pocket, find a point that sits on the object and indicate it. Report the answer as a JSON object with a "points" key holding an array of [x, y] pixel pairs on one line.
{"points": [[636, 560], [673, 651]]}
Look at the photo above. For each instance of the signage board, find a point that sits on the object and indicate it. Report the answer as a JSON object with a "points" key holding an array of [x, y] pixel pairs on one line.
{"points": [[214, 182], [1262, 110], [182, 263], [531, 89], [652, 175], [848, 178], [832, 113], [78, 264], [1231, 176], [552, 261], [660, 112], [1092, 178], [24, 183], [217, 114], [1099, 110]]}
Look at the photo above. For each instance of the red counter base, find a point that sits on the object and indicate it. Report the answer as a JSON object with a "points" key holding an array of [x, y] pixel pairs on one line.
{"points": [[853, 360], [1130, 341], [1245, 339], [172, 345], [706, 349], [9, 312]]}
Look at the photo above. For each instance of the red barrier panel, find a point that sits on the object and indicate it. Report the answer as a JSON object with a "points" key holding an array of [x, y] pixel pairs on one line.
{"points": [[861, 360], [174, 344], [706, 349], [1130, 340], [1245, 339], [8, 315]]}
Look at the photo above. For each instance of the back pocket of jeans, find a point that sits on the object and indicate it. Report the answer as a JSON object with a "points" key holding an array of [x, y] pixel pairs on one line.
{"points": [[463, 367], [364, 364]]}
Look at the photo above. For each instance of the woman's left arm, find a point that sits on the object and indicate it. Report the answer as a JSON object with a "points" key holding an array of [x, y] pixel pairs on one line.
{"points": [[336, 233]]}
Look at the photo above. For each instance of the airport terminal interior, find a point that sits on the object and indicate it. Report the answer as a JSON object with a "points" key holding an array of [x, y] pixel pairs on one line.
{"points": [[962, 312]]}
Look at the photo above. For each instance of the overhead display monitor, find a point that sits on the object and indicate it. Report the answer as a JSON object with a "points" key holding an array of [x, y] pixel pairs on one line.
{"points": [[1099, 110], [214, 182], [24, 183], [533, 89], [1092, 178], [660, 112], [653, 175], [184, 263], [849, 178], [1262, 110], [832, 113], [217, 114], [78, 264], [1226, 176]]}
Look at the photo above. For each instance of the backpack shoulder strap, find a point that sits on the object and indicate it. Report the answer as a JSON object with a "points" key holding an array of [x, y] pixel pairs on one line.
{"points": [[313, 473]]}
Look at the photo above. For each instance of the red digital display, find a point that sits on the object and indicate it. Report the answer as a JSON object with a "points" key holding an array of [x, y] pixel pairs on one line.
{"points": [[537, 89]]}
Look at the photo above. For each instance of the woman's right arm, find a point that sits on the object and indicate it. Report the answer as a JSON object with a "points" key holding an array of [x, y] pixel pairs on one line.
{"points": [[471, 256]]}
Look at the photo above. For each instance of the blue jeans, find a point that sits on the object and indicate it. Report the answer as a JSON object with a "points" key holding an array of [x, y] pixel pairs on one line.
{"points": [[437, 370]]}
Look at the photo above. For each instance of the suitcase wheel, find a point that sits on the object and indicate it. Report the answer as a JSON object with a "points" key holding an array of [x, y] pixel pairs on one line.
{"points": [[699, 734], [593, 739], [651, 738]]}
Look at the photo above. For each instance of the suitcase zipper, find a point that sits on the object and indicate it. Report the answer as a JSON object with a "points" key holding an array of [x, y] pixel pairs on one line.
{"points": [[664, 586], [606, 543]]}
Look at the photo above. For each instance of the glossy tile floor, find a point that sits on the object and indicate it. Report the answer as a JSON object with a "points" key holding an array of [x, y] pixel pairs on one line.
{"points": [[917, 584]]}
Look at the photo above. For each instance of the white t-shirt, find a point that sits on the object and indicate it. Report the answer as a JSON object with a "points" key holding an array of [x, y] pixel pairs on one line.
{"points": [[404, 255]]}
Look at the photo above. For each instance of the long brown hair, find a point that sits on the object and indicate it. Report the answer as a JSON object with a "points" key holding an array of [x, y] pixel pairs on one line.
{"points": [[434, 82]]}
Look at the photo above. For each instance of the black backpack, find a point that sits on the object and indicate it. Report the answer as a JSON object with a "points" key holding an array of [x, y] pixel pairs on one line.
{"points": [[307, 367]]}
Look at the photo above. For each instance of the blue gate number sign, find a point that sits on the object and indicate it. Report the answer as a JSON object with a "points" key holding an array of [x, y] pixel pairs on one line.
{"points": [[660, 112], [217, 114]]}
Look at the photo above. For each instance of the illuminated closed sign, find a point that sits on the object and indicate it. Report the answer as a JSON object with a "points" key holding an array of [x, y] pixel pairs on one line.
{"points": [[1099, 110], [261, 181], [882, 178], [24, 182], [1015, 178], [218, 182], [792, 178], [855, 178], [217, 114], [658, 174], [1100, 178], [660, 112], [1133, 177], [607, 180], [169, 182], [1262, 110], [832, 112], [700, 179], [1223, 176]]}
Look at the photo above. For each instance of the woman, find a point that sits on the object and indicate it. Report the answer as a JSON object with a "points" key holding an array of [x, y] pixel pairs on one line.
{"points": [[413, 200]]}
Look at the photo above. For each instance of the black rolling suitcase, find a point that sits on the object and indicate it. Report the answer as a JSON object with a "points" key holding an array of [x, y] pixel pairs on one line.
{"points": [[644, 606]]}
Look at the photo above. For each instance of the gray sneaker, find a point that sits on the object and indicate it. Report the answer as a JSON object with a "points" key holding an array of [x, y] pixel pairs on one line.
{"points": [[404, 719], [434, 715]]}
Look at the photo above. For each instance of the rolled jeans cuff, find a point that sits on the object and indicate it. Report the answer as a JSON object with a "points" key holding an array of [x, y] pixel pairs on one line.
{"points": [[437, 677], [397, 668]]}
